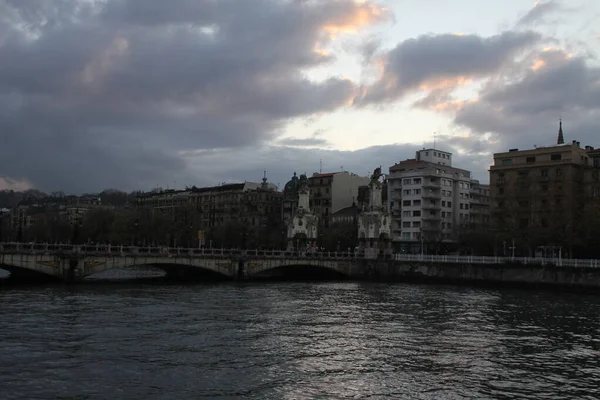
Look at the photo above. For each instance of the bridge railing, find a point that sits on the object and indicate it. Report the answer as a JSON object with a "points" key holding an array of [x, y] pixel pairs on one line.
{"points": [[564, 262], [162, 251]]}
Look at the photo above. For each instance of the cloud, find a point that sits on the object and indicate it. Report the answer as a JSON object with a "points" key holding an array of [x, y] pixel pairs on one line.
{"points": [[539, 12], [109, 93], [436, 62], [315, 140], [525, 111], [7, 183]]}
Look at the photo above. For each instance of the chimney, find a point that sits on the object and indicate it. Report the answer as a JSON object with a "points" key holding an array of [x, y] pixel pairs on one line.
{"points": [[578, 144]]}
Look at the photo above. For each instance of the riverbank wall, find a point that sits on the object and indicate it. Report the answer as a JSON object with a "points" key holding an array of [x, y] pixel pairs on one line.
{"points": [[529, 275]]}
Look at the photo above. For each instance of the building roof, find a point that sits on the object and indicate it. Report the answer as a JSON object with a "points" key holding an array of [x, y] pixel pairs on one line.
{"points": [[326, 175], [409, 163], [593, 152], [221, 188], [349, 211]]}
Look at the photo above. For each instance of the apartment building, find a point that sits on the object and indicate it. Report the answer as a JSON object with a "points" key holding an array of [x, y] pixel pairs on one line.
{"points": [[254, 204], [538, 194], [479, 210], [592, 186], [430, 200], [331, 192]]}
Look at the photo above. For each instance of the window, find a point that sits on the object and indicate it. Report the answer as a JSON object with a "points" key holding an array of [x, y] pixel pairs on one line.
{"points": [[449, 204], [443, 192], [416, 224], [406, 181], [406, 203], [449, 192], [416, 191], [501, 190], [460, 185], [530, 159], [406, 192], [556, 157], [558, 172], [407, 213], [406, 224], [417, 181], [416, 202], [507, 161], [427, 153], [406, 235], [545, 173], [443, 203], [443, 214], [416, 213], [545, 188], [466, 206]]}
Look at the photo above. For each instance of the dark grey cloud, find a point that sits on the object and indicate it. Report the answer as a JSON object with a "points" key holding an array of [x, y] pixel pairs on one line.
{"points": [[315, 140], [438, 61], [109, 93], [526, 111]]}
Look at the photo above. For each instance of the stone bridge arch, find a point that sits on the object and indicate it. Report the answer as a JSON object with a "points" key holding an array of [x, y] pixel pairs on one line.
{"points": [[261, 266], [176, 265], [39, 267]]}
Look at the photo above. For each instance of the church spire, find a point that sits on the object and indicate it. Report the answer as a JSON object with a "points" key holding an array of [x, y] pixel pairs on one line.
{"points": [[561, 138]]}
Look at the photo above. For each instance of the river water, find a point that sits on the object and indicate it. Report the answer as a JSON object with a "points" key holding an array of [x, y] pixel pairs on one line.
{"points": [[296, 341]]}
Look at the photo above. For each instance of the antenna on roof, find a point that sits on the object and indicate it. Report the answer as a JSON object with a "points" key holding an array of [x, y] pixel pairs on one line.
{"points": [[434, 137], [320, 166]]}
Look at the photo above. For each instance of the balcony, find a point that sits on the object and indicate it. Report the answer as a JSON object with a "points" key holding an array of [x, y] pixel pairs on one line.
{"points": [[431, 184], [431, 194], [429, 217], [429, 206]]}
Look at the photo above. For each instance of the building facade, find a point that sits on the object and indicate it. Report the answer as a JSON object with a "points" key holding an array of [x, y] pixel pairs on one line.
{"points": [[430, 200], [538, 194], [252, 204], [479, 209], [331, 192]]}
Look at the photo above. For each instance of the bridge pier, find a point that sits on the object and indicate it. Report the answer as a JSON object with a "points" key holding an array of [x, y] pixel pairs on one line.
{"points": [[72, 270], [240, 271]]}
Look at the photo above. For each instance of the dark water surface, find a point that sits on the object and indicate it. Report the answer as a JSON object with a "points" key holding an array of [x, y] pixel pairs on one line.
{"points": [[296, 341]]}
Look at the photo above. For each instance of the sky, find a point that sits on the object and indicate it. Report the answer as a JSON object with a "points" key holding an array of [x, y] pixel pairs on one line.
{"points": [[140, 94]]}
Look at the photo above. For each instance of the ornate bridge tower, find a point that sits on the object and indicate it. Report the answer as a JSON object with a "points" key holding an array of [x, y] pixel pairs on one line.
{"points": [[374, 221], [302, 228]]}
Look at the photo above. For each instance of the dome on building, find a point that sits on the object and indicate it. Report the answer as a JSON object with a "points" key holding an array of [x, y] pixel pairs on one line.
{"points": [[291, 188]]}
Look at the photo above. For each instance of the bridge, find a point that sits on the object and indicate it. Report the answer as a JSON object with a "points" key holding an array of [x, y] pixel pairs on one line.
{"points": [[73, 263]]}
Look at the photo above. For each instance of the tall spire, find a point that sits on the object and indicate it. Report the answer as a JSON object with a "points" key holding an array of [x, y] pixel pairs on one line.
{"points": [[561, 138]]}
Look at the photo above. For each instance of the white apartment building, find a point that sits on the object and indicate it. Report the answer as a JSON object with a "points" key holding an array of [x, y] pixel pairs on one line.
{"points": [[428, 198]]}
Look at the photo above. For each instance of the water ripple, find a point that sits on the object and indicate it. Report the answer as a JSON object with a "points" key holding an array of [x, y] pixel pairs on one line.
{"points": [[296, 341]]}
